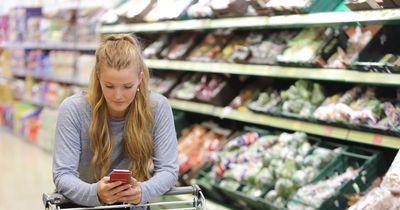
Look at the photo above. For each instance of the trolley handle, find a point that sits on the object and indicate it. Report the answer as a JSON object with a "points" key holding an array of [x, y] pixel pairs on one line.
{"points": [[59, 199], [54, 198], [194, 190]]}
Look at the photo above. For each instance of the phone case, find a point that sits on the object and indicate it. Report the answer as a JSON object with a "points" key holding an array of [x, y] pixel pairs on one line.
{"points": [[120, 175]]}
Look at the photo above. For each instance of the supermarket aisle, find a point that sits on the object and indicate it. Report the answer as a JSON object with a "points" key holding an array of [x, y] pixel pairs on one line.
{"points": [[25, 173]]}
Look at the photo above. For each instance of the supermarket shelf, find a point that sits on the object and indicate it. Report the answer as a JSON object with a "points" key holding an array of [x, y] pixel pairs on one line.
{"points": [[290, 124], [51, 45], [375, 139], [279, 71], [37, 103], [50, 78], [81, 4], [301, 20], [5, 78], [261, 119]]}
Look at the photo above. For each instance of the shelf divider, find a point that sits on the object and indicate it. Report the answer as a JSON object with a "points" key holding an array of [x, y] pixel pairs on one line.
{"points": [[341, 75]]}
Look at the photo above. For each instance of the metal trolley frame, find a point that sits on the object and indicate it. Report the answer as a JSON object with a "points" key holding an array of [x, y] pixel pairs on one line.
{"points": [[56, 201]]}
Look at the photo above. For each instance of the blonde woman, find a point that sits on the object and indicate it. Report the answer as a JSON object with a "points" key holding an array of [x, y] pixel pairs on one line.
{"points": [[117, 124]]}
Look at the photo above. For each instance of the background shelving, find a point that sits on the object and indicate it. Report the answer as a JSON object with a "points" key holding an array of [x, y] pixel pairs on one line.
{"points": [[51, 46], [327, 132], [388, 16], [23, 74]]}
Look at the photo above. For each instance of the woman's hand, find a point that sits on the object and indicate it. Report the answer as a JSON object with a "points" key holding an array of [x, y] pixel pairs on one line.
{"points": [[108, 191], [133, 194]]}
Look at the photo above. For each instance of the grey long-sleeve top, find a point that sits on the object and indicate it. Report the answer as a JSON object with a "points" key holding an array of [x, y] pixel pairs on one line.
{"points": [[72, 152]]}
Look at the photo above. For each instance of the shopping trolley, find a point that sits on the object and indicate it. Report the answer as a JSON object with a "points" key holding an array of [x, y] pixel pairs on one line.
{"points": [[56, 201]]}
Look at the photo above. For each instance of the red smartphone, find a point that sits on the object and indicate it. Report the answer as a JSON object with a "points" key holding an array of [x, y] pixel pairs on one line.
{"points": [[120, 175]]}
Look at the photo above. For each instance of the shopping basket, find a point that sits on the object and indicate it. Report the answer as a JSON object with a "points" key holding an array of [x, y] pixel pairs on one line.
{"points": [[56, 201]]}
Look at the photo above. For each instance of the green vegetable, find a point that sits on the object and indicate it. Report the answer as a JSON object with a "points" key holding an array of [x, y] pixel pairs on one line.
{"points": [[271, 196], [250, 175], [318, 95], [288, 169], [229, 184], [284, 187], [264, 178], [267, 158], [375, 106], [280, 202]]}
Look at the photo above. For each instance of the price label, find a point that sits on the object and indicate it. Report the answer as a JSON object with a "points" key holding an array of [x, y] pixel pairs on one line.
{"points": [[328, 130], [377, 139]]}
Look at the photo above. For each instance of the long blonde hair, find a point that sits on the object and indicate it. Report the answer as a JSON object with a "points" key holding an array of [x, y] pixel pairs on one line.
{"points": [[119, 52]]}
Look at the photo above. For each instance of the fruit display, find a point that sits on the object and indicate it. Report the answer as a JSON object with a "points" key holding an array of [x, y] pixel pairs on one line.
{"points": [[350, 44], [180, 46], [266, 101], [359, 105], [209, 48], [265, 49], [167, 10], [241, 153], [188, 88], [276, 7], [229, 52], [371, 5], [215, 89], [199, 144], [163, 82], [306, 46], [311, 196], [200, 9], [154, 49], [269, 167], [229, 8], [302, 98]]}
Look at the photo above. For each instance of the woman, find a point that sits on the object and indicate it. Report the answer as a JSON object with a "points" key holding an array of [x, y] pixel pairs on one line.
{"points": [[118, 124]]}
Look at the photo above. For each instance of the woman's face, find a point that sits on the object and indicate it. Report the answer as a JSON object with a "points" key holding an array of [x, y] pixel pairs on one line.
{"points": [[119, 88]]}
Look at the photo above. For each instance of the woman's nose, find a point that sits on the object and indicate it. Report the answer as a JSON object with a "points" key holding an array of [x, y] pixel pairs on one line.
{"points": [[118, 94]]}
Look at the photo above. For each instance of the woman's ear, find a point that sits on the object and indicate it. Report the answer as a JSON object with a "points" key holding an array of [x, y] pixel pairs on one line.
{"points": [[140, 77]]}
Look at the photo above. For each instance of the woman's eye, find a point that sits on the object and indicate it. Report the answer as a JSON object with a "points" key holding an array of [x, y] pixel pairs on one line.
{"points": [[128, 87], [109, 87]]}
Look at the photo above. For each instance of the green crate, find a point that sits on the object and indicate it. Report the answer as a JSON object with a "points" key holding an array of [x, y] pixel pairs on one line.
{"points": [[265, 204], [368, 173], [180, 121], [323, 6], [365, 160], [244, 201], [315, 7], [326, 169], [208, 185], [238, 198]]}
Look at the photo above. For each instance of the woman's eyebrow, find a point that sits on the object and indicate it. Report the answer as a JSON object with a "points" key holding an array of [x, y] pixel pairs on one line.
{"points": [[128, 83]]}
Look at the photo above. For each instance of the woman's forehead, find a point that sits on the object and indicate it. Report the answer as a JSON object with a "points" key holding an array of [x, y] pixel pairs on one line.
{"points": [[121, 76]]}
